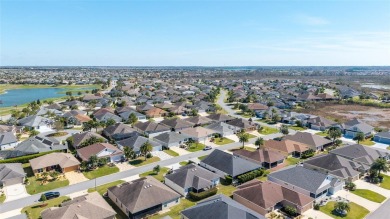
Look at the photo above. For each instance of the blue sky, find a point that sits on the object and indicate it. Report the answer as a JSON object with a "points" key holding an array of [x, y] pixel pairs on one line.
{"points": [[204, 33]]}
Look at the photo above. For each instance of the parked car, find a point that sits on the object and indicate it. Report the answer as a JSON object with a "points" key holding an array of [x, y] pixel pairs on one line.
{"points": [[51, 195], [207, 148]]}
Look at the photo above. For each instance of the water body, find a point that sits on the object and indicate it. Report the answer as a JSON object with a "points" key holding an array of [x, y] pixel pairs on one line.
{"points": [[376, 86], [21, 96]]}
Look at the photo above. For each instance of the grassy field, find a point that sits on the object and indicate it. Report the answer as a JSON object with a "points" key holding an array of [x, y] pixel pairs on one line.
{"points": [[101, 171], [34, 211], [370, 195], [356, 212], [103, 188], [268, 130], [196, 147], [172, 153], [222, 141], [159, 176], [141, 161]]}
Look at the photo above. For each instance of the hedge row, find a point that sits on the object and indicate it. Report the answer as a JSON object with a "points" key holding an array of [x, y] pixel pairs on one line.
{"points": [[249, 176], [27, 158], [202, 195]]}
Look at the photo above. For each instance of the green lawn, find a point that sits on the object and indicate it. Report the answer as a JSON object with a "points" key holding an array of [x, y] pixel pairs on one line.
{"points": [[245, 115], [386, 182], [367, 142], [370, 195], [264, 177], [183, 163], [119, 212], [292, 160], [35, 186], [226, 190], [297, 128], [323, 134], [101, 171], [251, 136], [268, 130], [159, 176], [222, 141], [196, 147], [34, 211], [103, 188], [174, 212], [202, 157], [356, 212], [172, 153], [2, 198], [141, 161], [388, 148]]}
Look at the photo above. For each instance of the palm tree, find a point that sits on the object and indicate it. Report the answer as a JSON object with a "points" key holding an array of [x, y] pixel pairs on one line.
{"points": [[379, 165], [132, 119], [360, 137], [146, 148], [334, 134], [342, 207], [129, 153], [93, 161], [284, 130], [243, 138], [273, 111], [156, 169], [259, 142]]}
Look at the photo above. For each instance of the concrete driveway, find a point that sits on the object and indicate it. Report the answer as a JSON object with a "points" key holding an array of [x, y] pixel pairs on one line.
{"points": [[75, 177], [180, 151], [311, 213], [15, 192], [161, 154]]}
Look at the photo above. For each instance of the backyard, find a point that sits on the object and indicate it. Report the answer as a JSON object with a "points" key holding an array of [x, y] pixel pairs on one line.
{"points": [[141, 161], [356, 212], [101, 171]]}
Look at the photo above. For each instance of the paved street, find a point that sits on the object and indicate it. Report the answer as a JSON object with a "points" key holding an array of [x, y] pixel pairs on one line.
{"points": [[383, 212]]}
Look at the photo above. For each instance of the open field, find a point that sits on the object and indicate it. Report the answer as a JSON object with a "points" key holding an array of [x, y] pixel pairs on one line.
{"points": [[341, 113]]}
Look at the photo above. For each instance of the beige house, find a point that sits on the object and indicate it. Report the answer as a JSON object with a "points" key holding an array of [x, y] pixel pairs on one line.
{"points": [[61, 162]]}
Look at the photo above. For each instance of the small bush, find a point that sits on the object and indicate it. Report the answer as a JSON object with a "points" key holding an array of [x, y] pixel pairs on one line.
{"points": [[228, 180], [149, 155], [202, 195], [317, 207]]}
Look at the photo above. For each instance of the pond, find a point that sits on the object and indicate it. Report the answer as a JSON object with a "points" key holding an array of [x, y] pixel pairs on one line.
{"points": [[20, 96], [376, 86]]}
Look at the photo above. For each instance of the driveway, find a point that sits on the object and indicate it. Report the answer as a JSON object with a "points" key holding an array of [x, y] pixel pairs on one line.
{"points": [[161, 154], [15, 192], [124, 166], [315, 214], [75, 177], [180, 151]]}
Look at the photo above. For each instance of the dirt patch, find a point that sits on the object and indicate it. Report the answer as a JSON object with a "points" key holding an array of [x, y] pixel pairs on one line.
{"points": [[374, 116]]}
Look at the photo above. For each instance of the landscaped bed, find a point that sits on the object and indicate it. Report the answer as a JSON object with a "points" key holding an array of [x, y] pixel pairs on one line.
{"points": [[370, 195], [356, 212], [141, 161], [101, 171]]}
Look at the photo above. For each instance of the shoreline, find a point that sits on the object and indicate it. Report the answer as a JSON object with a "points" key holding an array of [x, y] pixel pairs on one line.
{"points": [[5, 87]]}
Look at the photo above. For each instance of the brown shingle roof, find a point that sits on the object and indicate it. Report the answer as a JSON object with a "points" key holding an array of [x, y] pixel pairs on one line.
{"points": [[263, 155], [286, 146], [62, 159]]}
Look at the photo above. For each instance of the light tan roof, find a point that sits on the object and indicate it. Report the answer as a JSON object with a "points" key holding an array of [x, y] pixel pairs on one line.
{"points": [[287, 146], [62, 159], [198, 132]]}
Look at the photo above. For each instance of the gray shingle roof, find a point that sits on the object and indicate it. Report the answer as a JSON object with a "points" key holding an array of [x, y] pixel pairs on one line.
{"points": [[10, 171], [171, 137], [38, 144], [360, 153], [301, 177], [309, 139], [220, 207], [136, 142], [229, 163], [7, 138]]}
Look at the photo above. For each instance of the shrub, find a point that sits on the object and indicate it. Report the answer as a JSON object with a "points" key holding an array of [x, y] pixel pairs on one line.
{"points": [[202, 195], [350, 186], [228, 180], [307, 154], [27, 158], [291, 211], [149, 155], [316, 206], [250, 175]]}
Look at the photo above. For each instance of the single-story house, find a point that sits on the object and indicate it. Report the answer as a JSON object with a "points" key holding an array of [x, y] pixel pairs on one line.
{"points": [[151, 129], [382, 137], [39, 144], [191, 178], [171, 139], [177, 124], [119, 131], [219, 207], [199, 120], [266, 158], [265, 197], [91, 205], [221, 128], [218, 117], [155, 113], [287, 147], [242, 124], [80, 138], [198, 133], [223, 163], [135, 142], [320, 123], [39, 123], [8, 140], [101, 150], [335, 165], [142, 197], [61, 162], [306, 181], [315, 142], [11, 174], [352, 127]]}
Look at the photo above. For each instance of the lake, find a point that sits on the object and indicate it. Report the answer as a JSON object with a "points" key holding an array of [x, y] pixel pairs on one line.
{"points": [[376, 86], [21, 96]]}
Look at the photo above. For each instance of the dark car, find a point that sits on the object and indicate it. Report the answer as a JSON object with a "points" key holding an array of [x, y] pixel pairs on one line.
{"points": [[207, 148], [51, 195]]}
